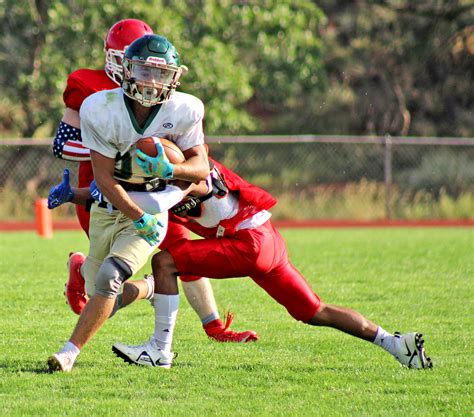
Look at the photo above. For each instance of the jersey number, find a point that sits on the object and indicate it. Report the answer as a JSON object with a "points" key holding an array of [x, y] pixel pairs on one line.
{"points": [[123, 166]]}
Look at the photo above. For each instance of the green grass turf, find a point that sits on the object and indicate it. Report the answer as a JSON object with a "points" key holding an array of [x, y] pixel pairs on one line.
{"points": [[403, 279]]}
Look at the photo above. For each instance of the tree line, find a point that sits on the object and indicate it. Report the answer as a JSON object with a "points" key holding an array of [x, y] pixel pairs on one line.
{"points": [[271, 66]]}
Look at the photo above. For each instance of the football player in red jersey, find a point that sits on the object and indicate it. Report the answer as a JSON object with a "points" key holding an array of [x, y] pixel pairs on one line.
{"points": [[80, 85], [239, 241], [68, 145]]}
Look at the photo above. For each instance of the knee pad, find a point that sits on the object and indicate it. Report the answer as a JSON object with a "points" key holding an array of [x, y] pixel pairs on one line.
{"points": [[111, 275]]}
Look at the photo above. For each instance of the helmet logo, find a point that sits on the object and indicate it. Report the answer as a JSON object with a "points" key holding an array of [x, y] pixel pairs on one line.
{"points": [[168, 125], [156, 60]]}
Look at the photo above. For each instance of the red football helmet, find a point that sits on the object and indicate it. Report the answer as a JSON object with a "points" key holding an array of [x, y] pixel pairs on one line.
{"points": [[119, 36]]}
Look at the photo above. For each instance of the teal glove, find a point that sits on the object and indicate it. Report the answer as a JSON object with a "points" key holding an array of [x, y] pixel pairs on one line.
{"points": [[158, 165], [149, 228]]}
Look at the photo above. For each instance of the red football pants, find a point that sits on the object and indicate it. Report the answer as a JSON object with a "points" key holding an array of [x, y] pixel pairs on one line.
{"points": [[258, 253]]}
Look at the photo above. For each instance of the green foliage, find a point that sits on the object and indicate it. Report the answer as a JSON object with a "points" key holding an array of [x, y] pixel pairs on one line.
{"points": [[402, 279], [236, 52], [365, 200], [442, 170], [398, 67], [273, 66]]}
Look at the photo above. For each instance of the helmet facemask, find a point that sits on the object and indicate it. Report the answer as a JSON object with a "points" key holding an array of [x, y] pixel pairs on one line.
{"points": [[150, 82], [119, 36], [113, 65]]}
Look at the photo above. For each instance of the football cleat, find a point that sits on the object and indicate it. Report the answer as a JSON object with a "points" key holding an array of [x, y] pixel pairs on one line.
{"points": [[224, 335], [75, 287], [60, 362], [147, 354], [410, 351]]}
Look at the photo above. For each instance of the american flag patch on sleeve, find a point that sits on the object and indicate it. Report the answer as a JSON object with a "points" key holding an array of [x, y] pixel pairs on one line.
{"points": [[67, 144]]}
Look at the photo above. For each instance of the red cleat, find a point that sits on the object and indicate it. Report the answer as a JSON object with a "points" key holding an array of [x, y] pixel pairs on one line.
{"points": [[221, 332], [75, 287]]}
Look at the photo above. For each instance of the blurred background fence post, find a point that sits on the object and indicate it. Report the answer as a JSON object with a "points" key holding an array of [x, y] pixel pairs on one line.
{"points": [[388, 175]]}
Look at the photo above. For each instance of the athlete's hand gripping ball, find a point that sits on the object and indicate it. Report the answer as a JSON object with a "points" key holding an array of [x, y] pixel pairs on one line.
{"points": [[149, 228], [61, 193], [158, 165]]}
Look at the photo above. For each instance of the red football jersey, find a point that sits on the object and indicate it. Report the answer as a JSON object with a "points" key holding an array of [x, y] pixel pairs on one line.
{"points": [[84, 82], [80, 85], [252, 199]]}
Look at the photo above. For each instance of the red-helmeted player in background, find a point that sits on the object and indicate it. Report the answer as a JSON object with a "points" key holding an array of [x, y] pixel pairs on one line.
{"points": [[68, 145]]}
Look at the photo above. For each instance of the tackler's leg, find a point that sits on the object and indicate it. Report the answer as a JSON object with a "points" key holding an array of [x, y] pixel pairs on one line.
{"points": [[200, 296], [157, 351]]}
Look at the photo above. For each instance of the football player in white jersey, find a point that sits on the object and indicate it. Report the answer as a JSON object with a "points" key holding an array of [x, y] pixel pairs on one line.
{"points": [[68, 145], [122, 235]]}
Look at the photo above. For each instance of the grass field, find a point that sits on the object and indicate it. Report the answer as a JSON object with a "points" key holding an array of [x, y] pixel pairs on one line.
{"points": [[403, 279]]}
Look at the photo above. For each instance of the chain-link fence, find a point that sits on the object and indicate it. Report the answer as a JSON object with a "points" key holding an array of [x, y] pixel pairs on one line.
{"points": [[313, 177]]}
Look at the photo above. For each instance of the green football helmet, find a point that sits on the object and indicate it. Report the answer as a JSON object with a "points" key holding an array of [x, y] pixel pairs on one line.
{"points": [[151, 70]]}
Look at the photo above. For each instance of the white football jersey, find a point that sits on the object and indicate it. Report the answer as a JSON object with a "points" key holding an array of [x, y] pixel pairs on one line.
{"points": [[109, 127]]}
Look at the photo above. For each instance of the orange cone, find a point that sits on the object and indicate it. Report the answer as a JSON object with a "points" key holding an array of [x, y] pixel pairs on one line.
{"points": [[44, 221]]}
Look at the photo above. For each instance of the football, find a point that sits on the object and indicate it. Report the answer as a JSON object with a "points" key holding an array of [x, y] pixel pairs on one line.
{"points": [[147, 145]]}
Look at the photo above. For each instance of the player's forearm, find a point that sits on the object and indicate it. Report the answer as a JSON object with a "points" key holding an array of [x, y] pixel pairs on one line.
{"points": [[197, 189], [81, 195], [195, 169]]}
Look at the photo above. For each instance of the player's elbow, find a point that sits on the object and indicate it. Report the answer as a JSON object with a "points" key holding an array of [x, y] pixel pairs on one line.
{"points": [[101, 182], [196, 166], [202, 174], [203, 170]]}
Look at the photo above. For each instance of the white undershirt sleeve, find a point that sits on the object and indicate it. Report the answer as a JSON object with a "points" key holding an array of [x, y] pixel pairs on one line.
{"points": [[157, 201]]}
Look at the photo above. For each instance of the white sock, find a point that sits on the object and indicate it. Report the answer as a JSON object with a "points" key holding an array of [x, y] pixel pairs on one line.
{"points": [[150, 282], [166, 311], [71, 349], [385, 340]]}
